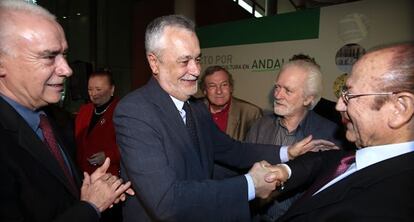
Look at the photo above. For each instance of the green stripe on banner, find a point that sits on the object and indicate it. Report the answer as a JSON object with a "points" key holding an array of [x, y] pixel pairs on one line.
{"points": [[284, 27]]}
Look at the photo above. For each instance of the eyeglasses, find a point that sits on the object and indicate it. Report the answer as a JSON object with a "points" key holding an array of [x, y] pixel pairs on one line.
{"points": [[346, 96]]}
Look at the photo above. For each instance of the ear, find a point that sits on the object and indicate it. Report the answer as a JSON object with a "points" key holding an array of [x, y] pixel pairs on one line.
{"points": [[153, 62], [308, 100], [2, 69], [403, 110], [112, 90]]}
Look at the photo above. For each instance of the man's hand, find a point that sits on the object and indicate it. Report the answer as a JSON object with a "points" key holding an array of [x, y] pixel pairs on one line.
{"points": [[307, 144], [278, 173], [103, 189], [263, 186]]}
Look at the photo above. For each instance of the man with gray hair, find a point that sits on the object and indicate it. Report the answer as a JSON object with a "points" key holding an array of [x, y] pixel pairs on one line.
{"points": [[169, 143], [298, 88], [40, 181]]}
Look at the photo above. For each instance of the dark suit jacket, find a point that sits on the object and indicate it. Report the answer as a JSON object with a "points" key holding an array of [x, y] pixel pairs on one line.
{"points": [[33, 186], [382, 192], [172, 177]]}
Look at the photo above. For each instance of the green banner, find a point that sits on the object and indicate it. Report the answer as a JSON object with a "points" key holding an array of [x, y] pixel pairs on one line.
{"points": [[284, 27]]}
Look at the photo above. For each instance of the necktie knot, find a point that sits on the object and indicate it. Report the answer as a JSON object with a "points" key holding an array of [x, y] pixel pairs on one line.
{"points": [[346, 161]]}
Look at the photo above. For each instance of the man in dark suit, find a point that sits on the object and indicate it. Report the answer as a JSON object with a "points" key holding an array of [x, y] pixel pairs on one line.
{"points": [[39, 179], [168, 144], [375, 183]]}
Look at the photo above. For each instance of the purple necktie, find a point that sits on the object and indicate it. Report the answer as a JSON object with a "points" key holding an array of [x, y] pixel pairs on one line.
{"points": [[50, 141], [343, 165]]}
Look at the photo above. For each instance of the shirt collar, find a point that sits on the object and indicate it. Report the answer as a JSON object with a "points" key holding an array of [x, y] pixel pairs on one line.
{"points": [[178, 103], [30, 116], [374, 154]]}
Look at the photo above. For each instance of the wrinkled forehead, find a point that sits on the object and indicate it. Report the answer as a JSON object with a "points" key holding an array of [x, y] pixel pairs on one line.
{"points": [[368, 72]]}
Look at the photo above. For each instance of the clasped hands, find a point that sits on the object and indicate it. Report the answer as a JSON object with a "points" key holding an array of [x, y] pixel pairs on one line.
{"points": [[267, 177], [103, 189]]}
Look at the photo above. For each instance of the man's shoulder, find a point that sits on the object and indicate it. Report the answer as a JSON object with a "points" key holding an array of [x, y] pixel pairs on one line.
{"points": [[245, 104]]}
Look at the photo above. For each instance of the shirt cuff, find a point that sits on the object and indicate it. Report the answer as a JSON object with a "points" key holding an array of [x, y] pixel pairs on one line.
{"points": [[283, 153], [250, 187]]}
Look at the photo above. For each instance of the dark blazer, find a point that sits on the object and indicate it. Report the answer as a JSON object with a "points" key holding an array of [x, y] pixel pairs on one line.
{"points": [[172, 177], [382, 192], [33, 186]]}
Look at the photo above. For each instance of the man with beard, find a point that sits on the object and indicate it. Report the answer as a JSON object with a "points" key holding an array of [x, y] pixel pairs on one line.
{"points": [[298, 88], [376, 182]]}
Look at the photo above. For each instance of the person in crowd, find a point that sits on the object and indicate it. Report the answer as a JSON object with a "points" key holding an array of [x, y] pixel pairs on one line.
{"points": [[232, 115], [324, 107], [40, 180], [168, 142], [298, 88], [94, 129], [377, 107]]}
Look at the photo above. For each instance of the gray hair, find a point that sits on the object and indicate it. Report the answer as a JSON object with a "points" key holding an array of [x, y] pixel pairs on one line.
{"points": [[7, 23], [313, 84], [155, 30]]}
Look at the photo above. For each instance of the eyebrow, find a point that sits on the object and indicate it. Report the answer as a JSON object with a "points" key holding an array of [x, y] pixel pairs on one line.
{"points": [[188, 57], [52, 52]]}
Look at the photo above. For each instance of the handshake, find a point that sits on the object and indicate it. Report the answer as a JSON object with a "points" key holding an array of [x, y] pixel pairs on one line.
{"points": [[267, 178]]}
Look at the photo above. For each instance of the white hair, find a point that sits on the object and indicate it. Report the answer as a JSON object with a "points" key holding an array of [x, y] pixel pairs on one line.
{"points": [[7, 23], [155, 31], [313, 85]]}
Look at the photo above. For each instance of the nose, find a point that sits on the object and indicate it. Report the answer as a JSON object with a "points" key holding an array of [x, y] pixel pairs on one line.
{"points": [[340, 105], [194, 67], [277, 93], [92, 93], [62, 68]]}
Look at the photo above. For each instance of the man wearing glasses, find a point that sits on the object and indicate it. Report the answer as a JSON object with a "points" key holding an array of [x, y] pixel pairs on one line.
{"points": [[376, 182]]}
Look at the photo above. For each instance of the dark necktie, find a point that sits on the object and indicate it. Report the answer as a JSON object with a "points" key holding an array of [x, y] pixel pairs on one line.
{"points": [[343, 165], [50, 141], [189, 122]]}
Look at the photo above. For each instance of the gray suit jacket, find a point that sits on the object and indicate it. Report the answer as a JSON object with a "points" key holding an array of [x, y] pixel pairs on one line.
{"points": [[171, 177]]}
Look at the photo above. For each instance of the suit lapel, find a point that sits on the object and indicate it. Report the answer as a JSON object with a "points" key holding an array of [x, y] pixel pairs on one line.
{"points": [[233, 118], [174, 122], [28, 140]]}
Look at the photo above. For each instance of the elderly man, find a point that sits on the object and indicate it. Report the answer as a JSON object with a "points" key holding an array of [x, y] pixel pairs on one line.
{"points": [[40, 181], [168, 144], [298, 88], [377, 106], [232, 115]]}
